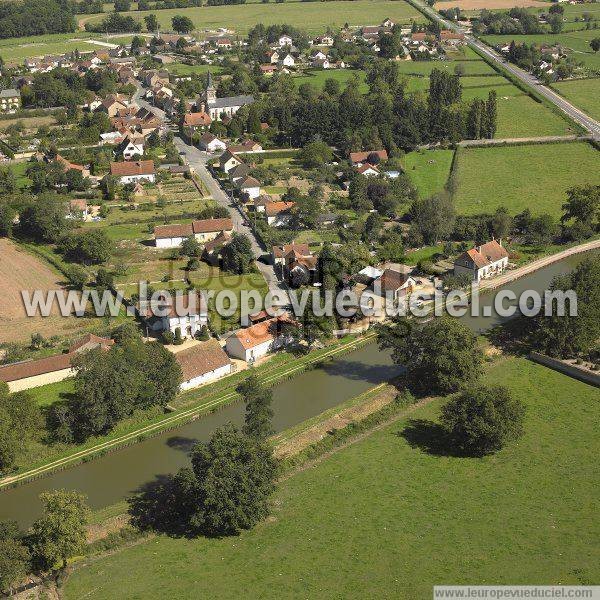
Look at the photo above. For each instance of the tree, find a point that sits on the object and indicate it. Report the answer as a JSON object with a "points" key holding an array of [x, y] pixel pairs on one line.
{"points": [[583, 206], [20, 422], [566, 336], [235, 477], [122, 5], [237, 256], [91, 247], [151, 22], [182, 24], [60, 533], [502, 222], [14, 555], [77, 276], [191, 247], [433, 217], [8, 181], [440, 357], [45, 219], [259, 414], [556, 23], [595, 44], [482, 419], [315, 154]]}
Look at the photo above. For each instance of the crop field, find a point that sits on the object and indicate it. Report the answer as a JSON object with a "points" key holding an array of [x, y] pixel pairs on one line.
{"points": [[583, 93], [389, 516], [520, 177], [20, 270], [428, 170], [311, 16], [577, 41]]}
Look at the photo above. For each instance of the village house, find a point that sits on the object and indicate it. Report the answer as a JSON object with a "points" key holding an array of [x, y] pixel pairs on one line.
{"points": [[228, 160], [272, 56], [246, 147], [133, 171], [10, 100], [279, 214], [373, 157], [29, 374], [256, 341], [249, 187], [204, 230], [238, 173], [210, 143], [67, 165], [186, 312], [394, 284], [131, 147], [196, 121], [268, 69], [212, 249], [482, 262], [202, 363], [78, 209], [368, 170], [297, 263], [285, 40], [287, 61]]}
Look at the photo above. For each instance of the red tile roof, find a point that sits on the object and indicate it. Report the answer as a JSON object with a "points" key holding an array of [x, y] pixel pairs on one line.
{"points": [[187, 229], [275, 208], [361, 157], [256, 334], [137, 167], [197, 119]]}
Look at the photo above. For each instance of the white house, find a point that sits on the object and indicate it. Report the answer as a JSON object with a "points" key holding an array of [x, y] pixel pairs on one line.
{"points": [[210, 143], [482, 262], [131, 147], [285, 40], [250, 187], [204, 230], [287, 61], [186, 312], [134, 171], [203, 363], [256, 341], [228, 160], [368, 170], [279, 214], [318, 55]]}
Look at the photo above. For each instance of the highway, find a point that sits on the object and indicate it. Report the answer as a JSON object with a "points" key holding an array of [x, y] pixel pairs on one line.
{"points": [[590, 125]]}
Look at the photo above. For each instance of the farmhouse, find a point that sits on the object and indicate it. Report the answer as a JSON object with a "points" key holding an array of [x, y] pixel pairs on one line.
{"points": [[203, 363], [34, 373], [186, 312], [482, 262], [256, 341], [133, 172], [172, 236]]}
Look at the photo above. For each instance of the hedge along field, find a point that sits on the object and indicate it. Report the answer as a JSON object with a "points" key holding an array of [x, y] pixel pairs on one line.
{"points": [[533, 176], [583, 93], [314, 17], [385, 518]]}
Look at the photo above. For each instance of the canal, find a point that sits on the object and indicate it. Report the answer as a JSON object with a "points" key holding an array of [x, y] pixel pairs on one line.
{"points": [[113, 477]]}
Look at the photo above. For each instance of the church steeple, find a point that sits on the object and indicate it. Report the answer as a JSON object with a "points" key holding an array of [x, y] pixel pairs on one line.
{"points": [[211, 91]]}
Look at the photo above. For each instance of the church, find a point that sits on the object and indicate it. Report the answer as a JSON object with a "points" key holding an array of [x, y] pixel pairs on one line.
{"points": [[219, 107]]}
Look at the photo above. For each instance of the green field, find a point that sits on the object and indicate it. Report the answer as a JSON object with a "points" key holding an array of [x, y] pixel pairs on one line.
{"points": [[17, 49], [428, 170], [344, 76], [384, 518], [577, 41], [313, 17], [583, 93], [520, 177], [183, 69]]}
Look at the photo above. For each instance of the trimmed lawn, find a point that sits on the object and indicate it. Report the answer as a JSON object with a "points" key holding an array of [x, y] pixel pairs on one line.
{"points": [[520, 177], [428, 170], [583, 93], [19, 170], [385, 518], [313, 17], [45, 395], [344, 76]]}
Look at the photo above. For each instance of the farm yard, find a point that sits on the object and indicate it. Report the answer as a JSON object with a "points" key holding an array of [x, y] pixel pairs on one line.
{"points": [[395, 522], [313, 17], [519, 177]]}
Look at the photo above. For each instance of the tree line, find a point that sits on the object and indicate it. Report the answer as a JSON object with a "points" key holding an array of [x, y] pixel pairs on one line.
{"points": [[36, 17]]}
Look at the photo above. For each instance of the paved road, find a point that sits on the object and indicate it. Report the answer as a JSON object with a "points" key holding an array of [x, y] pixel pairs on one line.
{"points": [[577, 115], [197, 160]]}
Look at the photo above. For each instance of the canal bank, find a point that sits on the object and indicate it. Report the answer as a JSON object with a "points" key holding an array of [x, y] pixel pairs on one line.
{"points": [[110, 478]]}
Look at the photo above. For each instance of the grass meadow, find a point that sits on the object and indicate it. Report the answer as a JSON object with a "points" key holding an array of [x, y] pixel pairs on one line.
{"points": [[428, 170], [311, 16], [583, 93], [520, 177], [386, 517]]}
